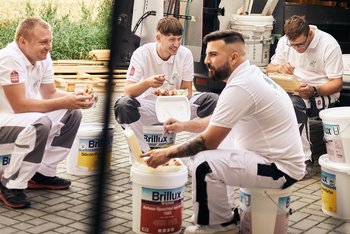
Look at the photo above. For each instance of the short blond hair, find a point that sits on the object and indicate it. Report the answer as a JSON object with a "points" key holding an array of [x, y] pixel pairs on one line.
{"points": [[26, 27]]}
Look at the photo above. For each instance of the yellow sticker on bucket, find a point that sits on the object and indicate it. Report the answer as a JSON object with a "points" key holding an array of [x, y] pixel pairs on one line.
{"points": [[89, 153], [328, 191], [90, 160]]}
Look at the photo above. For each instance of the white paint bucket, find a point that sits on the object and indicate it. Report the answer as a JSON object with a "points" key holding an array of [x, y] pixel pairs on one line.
{"points": [[85, 153], [335, 189], [4, 161], [5, 156], [157, 199], [336, 128], [264, 210], [155, 137], [256, 30]]}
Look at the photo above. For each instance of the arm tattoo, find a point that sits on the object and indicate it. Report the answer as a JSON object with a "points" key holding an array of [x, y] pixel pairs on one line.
{"points": [[190, 148]]}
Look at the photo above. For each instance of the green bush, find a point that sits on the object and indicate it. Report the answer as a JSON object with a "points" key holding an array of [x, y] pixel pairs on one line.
{"points": [[72, 39]]}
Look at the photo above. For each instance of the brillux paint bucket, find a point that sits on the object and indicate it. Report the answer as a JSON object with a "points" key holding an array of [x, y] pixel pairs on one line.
{"points": [[157, 199], [85, 153], [336, 128], [156, 138], [335, 189], [264, 210], [256, 30], [5, 158]]}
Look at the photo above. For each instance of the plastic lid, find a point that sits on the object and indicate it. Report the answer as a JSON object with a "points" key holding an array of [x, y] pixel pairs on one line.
{"points": [[327, 164], [177, 107], [288, 82], [92, 127], [335, 113]]}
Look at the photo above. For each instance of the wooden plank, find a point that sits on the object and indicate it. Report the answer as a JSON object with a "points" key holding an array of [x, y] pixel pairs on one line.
{"points": [[84, 69], [100, 54], [81, 76], [77, 69], [79, 62]]}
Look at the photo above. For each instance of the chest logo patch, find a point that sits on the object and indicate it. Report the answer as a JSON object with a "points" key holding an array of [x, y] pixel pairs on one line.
{"points": [[14, 77], [132, 71]]}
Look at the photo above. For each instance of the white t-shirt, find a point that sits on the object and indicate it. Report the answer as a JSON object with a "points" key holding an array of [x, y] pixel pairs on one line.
{"points": [[320, 61], [15, 68], [145, 62], [262, 119]]}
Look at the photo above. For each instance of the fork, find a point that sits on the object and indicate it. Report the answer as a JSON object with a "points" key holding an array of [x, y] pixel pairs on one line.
{"points": [[171, 83], [162, 136]]}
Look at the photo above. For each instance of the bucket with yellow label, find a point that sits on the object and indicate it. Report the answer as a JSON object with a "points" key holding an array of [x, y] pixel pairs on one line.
{"points": [[85, 153]]}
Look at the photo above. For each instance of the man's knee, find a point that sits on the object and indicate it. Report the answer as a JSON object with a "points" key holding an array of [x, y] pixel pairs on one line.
{"points": [[206, 104], [43, 126], [126, 110], [77, 115], [299, 108]]}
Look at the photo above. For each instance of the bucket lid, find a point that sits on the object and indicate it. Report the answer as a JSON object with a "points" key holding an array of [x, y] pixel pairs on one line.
{"points": [[160, 169], [94, 127], [340, 167], [177, 107], [335, 113], [253, 19], [145, 175]]}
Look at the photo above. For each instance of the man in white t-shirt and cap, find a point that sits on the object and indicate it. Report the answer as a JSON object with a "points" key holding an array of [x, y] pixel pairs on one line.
{"points": [[164, 64], [38, 123], [316, 58], [258, 116]]}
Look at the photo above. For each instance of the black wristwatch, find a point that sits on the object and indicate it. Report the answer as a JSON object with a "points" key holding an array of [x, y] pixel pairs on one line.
{"points": [[315, 93]]}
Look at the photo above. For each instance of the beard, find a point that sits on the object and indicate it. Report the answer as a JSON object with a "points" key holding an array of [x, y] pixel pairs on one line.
{"points": [[220, 73]]}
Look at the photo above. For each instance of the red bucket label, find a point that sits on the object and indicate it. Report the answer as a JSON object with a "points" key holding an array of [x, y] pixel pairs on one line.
{"points": [[161, 210]]}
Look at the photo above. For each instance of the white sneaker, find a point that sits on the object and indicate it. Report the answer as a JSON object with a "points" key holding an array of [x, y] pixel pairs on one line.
{"points": [[207, 229]]}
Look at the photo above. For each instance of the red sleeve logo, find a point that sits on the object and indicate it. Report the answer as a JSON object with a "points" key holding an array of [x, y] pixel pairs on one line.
{"points": [[132, 71], [14, 77]]}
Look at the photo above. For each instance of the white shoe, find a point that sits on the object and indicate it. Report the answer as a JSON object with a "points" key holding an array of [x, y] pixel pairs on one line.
{"points": [[207, 229]]}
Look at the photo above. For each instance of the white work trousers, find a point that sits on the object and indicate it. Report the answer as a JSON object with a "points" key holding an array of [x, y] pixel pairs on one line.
{"points": [[215, 171], [19, 172]]}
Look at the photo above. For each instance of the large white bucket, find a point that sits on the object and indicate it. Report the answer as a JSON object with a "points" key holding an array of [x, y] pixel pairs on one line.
{"points": [[336, 128], [256, 30], [157, 199], [85, 153], [335, 189], [155, 137], [264, 210]]}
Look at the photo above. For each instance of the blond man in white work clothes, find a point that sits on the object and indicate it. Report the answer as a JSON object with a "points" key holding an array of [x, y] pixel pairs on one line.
{"points": [[257, 114], [38, 123], [316, 58], [162, 64]]}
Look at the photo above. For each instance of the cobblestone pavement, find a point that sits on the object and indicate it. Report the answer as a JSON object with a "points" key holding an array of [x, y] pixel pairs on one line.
{"points": [[69, 211]]}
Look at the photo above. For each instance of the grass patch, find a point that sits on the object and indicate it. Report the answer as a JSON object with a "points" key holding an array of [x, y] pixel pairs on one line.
{"points": [[73, 35]]}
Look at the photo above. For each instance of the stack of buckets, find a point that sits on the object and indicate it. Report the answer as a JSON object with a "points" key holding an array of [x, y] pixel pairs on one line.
{"points": [[256, 30], [335, 165]]}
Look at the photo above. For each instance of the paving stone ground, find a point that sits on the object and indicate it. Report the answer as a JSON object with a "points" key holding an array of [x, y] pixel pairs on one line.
{"points": [[70, 211]]}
